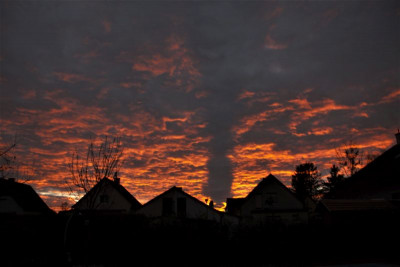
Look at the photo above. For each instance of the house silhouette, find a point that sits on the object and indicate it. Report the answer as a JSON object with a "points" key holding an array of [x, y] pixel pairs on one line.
{"points": [[372, 194], [108, 196], [21, 199], [380, 179], [269, 202], [176, 203]]}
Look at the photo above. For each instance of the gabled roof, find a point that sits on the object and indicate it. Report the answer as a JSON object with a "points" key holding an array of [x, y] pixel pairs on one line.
{"points": [[383, 173], [24, 196], [118, 187], [233, 204], [180, 190], [267, 181]]}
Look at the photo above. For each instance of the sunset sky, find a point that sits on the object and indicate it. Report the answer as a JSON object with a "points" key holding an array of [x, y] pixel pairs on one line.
{"points": [[209, 96]]}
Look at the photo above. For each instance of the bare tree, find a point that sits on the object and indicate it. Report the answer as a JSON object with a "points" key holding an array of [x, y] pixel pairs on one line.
{"points": [[372, 155], [7, 159], [102, 161], [10, 167], [350, 158]]}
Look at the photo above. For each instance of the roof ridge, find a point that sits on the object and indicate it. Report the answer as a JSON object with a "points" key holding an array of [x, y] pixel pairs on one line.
{"points": [[180, 189], [272, 177], [117, 186]]}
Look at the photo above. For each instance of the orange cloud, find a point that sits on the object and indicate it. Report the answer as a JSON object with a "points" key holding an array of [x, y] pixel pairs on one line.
{"points": [[175, 61], [165, 162], [186, 117], [301, 103], [361, 114], [390, 97], [320, 131], [42, 151], [307, 111], [273, 44], [201, 94], [72, 77], [247, 122], [156, 65], [174, 137], [327, 105], [246, 94]]}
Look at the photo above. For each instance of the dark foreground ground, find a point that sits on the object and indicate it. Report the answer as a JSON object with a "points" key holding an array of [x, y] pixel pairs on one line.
{"points": [[94, 240]]}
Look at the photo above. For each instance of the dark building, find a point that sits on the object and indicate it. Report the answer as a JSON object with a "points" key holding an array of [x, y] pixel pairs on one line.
{"points": [[20, 199], [108, 196], [372, 195], [380, 179], [177, 203], [356, 211], [270, 201]]}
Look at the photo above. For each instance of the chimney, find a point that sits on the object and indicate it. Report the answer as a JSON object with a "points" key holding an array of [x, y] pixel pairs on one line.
{"points": [[398, 136], [116, 179]]}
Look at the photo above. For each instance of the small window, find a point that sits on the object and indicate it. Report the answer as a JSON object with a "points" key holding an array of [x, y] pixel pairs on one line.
{"points": [[104, 199], [181, 205], [167, 207], [270, 199]]}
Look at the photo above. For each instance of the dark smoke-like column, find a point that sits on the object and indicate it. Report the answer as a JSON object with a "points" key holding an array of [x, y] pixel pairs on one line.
{"points": [[219, 165]]}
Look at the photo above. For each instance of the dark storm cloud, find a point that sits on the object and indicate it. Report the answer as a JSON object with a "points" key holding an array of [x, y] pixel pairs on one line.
{"points": [[167, 71]]}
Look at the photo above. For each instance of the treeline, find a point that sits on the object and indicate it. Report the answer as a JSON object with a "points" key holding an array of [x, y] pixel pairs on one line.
{"points": [[307, 181]]}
